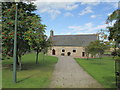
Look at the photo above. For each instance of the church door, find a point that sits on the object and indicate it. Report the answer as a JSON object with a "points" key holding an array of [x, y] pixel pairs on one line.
{"points": [[68, 53], [53, 52]]}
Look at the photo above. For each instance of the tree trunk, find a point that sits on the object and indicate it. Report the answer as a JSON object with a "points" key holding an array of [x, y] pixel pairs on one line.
{"points": [[87, 56], [43, 58], [20, 63], [37, 57], [115, 47], [17, 61]]}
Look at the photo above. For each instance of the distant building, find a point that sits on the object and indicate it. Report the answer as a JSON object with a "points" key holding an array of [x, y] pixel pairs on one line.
{"points": [[70, 45]]}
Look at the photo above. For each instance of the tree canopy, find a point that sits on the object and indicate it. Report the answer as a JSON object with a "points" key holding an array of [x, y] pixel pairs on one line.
{"points": [[30, 30], [96, 48], [115, 29]]}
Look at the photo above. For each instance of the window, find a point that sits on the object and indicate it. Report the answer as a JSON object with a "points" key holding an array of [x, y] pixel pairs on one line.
{"points": [[62, 54], [63, 50], [74, 50]]}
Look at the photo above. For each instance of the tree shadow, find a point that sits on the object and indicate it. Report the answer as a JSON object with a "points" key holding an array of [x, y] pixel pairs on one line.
{"points": [[31, 65], [25, 78]]}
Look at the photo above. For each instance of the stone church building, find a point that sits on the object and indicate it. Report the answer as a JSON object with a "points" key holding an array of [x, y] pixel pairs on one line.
{"points": [[70, 45]]}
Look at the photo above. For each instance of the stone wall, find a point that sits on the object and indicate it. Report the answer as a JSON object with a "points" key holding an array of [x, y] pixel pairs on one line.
{"points": [[67, 50]]}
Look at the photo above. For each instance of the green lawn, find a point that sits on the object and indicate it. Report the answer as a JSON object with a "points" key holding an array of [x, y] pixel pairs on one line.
{"points": [[32, 75], [102, 70]]}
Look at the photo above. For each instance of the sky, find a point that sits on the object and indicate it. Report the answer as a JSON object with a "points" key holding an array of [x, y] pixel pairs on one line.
{"points": [[77, 17]]}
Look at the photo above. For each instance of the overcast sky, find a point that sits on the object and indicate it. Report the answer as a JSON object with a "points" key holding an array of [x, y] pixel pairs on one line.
{"points": [[75, 17]]}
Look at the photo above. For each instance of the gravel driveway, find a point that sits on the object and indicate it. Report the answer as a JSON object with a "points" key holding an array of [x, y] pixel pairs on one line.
{"points": [[68, 74]]}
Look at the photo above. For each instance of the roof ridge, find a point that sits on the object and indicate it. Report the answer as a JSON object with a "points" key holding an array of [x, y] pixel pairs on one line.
{"points": [[76, 35]]}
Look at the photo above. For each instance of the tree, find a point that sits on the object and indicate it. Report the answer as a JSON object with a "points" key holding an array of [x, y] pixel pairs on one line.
{"points": [[115, 29], [25, 10], [96, 48], [35, 35], [45, 45], [87, 51]]}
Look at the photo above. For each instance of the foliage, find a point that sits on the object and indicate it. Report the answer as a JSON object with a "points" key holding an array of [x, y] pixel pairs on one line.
{"points": [[96, 48], [102, 35], [87, 51], [23, 23], [36, 37], [28, 27], [115, 29], [114, 16]]}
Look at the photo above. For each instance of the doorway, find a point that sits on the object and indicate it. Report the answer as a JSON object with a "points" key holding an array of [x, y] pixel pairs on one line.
{"points": [[68, 53], [83, 54], [53, 52]]}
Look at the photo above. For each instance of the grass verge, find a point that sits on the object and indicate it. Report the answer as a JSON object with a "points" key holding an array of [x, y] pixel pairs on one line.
{"points": [[100, 69], [32, 75]]}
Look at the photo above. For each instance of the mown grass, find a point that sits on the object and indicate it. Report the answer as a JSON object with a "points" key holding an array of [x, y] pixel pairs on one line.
{"points": [[103, 70], [32, 75]]}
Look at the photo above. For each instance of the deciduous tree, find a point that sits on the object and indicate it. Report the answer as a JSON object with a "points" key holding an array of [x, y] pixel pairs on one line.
{"points": [[96, 48], [25, 10]]}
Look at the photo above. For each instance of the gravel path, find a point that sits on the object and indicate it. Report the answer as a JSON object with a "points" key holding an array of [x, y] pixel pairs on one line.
{"points": [[68, 74]]}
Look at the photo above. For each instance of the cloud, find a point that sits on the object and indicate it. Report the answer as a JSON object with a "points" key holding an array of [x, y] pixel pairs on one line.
{"points": [[71, 7], [83, 28], [115, 5], [76, 0], [100, 27], [86, 11], [109, 14], [54, 8], [90, 24], [93, 3], [86, 28], [68, 14], [52, 12], [93, 16]]}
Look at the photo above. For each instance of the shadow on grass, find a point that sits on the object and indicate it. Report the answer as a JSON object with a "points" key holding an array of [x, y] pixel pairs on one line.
{"points": [[29, 65], [24, 79], [32, 65]]}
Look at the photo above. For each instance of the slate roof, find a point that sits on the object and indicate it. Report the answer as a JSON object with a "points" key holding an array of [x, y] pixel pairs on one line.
{"points": [[73, 40]]}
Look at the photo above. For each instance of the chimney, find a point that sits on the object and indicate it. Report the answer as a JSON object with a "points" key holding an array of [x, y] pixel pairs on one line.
{"points": [[51, 33]]}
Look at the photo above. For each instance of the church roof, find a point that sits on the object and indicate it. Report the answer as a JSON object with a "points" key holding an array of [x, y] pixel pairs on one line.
{"points": [[73, 40]]}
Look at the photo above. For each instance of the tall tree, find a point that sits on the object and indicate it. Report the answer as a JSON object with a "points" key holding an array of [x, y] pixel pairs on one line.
{"points": [[23, 24], [35, 35], [115, 30]]}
